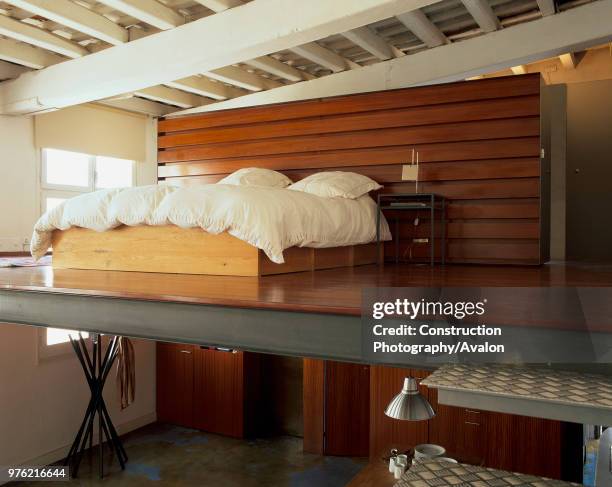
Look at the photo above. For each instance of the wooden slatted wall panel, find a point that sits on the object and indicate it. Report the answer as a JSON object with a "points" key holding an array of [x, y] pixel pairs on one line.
{"points": [[478, 141]]}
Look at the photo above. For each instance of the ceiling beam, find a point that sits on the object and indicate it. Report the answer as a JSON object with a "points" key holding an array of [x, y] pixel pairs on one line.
{"points": [[483, 14], [265, 63], [10, 70], [323, 57], [205, 87], [150, 12], [135, 65], [523, 43], [220, 5], [139, 105], [26, 55], [568, 60], [278, 68], [236, 76], [35, 36], [171, 96], [76, 17], [547, 7], [418, 23], [365, 38]]}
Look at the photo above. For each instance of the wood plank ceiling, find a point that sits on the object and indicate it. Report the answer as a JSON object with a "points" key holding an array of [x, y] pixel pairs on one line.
{"points": [[39, 33]]}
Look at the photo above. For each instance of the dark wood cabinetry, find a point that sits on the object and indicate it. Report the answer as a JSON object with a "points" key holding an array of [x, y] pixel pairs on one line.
{"points": [[207, 389], [336, 408], [175, 384], [334, 394]]}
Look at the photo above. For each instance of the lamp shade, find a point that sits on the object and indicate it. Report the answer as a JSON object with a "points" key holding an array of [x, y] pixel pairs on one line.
{"points": [[409, 404]]}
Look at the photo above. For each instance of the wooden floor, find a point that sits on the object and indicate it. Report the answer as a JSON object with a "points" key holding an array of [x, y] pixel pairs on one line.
{"points": [[335, 291]]}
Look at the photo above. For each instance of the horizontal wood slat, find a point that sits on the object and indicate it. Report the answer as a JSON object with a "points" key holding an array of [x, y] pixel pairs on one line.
{"points": [[492, 251], [433, 171], [457, 132], [455, 151], [478, 145], [412, 97], [520, 229], [403, 117]]}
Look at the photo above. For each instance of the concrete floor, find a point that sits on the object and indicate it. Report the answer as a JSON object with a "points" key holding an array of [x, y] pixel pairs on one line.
{"points": [[174, 456]]}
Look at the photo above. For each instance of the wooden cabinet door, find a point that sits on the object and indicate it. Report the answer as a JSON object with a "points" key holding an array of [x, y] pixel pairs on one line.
{"points": [[219, 392], [347, 409], [523, 444], [175, 383]]}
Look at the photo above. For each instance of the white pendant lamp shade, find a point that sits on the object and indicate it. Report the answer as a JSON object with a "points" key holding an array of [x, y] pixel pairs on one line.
{"points": [[410, 405]]}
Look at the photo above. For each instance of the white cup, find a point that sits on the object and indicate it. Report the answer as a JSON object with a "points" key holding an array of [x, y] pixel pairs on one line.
{"points": [[399, 470]]}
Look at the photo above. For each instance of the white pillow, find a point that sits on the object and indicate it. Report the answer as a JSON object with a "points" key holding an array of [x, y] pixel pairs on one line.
{"points": [[255, 176], [336, 183]]}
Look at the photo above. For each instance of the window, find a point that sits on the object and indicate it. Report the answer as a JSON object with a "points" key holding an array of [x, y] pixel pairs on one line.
{"points": [[57, 335], [65, 174]]}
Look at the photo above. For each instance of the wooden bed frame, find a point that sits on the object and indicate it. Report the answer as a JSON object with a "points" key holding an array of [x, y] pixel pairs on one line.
{"points": [[176, 250]]}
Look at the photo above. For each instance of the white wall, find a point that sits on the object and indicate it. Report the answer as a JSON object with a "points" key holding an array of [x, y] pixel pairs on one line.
{"points": [[42, 404], [19, 199]]}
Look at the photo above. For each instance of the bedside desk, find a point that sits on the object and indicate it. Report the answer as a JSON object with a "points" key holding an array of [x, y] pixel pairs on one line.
{"points": [[432, 203]]}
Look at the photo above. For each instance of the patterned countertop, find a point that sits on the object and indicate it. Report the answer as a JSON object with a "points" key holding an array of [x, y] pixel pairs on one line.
{"points": [[537, 383], [435, 473]]}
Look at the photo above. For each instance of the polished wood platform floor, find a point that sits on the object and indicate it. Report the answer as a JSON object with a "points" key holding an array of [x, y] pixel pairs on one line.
{"points": [[336, 291]]}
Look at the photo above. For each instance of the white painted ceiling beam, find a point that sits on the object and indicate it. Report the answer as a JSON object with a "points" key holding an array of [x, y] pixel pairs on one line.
{"points": [[370, 41], [265, 63], [418, 23], [547, 7], [568, 60], [220, 5], [139, 105], [524, 43], [236, 76], [25, 55], [10, 70], [151, 12], [76, 17], [323, 56], [483, 14], [278, 68], [23, 32], [171, 96], [205, 87], [135, 65]]}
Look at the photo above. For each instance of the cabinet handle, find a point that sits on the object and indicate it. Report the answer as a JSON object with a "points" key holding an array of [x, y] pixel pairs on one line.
{"points": [[474, 424], [185, 351], [472, 411]]}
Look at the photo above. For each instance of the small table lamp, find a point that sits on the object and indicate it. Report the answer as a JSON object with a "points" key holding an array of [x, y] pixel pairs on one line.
{"points": [[410, 405]]}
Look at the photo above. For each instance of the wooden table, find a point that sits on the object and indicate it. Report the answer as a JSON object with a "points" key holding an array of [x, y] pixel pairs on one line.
{"points": [[374, 474]]}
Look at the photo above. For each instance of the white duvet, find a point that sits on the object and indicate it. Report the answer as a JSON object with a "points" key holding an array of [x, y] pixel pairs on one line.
{"points": [[268, 218]]}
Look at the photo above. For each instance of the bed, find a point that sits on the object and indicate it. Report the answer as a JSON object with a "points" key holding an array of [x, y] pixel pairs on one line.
{"points": [[218, 229]]}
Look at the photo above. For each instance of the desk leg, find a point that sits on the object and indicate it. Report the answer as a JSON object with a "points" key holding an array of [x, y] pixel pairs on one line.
{"points": [[96, 372], [432, 240], [443, 239], [378, 259]]}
